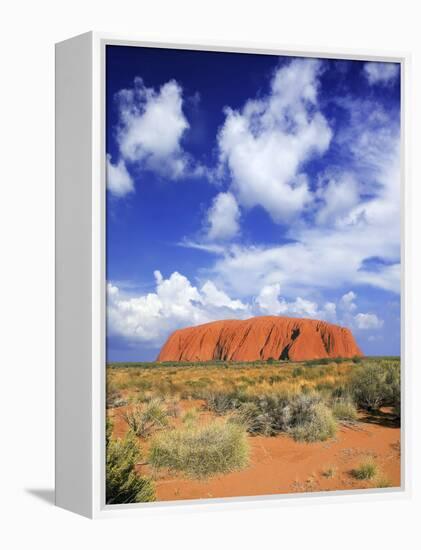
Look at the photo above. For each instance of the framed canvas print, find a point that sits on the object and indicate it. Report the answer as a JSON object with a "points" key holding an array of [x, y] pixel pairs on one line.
{"points": [[230, 285]]}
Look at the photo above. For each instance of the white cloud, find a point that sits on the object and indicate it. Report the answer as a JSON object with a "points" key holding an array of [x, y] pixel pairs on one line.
{"points": [[211, 296], [223, 217], [150, 318], [357, 217], [347, 302], [329, 310], [381, 73], [265, 145], [151, 127], [368, 321], [119, 181], [338, 197], [269, 302]]}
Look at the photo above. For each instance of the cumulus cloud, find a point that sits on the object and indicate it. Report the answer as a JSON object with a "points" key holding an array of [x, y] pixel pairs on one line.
{"points": [[223, 217], [265, 145], [337, 197], [150, 129], [119, 181], [150, 318], [347, 302], [270, 302], [151, 125], [355, 217], [211, 296], [368, 321], [381, 73]]}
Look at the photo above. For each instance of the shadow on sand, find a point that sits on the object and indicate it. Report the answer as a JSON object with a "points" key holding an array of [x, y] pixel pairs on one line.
{"points": [[382, 418]]}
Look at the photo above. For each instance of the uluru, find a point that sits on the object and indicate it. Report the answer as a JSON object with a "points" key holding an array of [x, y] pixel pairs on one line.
{"points": [[260, 338]]}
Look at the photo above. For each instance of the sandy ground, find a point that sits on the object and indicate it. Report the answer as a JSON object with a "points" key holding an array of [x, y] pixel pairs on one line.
{"points": [[281, 465]]}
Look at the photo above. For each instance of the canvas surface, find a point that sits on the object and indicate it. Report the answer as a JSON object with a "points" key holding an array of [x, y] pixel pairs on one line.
{"points": [[253, 274]]}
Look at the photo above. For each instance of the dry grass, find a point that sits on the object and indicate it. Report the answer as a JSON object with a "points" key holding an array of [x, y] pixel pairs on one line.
{"points": [[368, 469], [195, 382], [201, 451]]}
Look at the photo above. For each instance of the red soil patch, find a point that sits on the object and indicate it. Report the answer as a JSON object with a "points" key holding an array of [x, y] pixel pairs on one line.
{"points": [[281, 465]]}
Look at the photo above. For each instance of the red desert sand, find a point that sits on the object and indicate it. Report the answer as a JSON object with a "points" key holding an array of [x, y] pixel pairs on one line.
{"points": [[260, 338], [280, 465]]}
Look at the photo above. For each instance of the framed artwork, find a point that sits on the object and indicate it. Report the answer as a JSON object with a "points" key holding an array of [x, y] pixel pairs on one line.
{"points": [[230, 282]]}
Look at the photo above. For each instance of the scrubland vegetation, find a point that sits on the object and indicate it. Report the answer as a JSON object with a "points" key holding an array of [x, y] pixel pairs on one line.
{"points": [[201, 451], [306, 401]]}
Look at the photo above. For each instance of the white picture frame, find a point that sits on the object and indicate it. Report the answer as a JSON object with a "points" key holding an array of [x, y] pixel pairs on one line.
{"points": [[80, 278]]}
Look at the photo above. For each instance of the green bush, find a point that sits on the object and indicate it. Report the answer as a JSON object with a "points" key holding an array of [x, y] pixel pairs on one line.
{"points": [[252, 419], [366, 470], [201, 451], [374, 385], [173, 406], [314, 422], [144, 420], [221, 402], [123, 485], [344, 409], [190, 417], [304, 416]]}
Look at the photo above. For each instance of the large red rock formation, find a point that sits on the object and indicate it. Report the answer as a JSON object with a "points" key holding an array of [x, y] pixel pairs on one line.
{"points": [[260, 338]]}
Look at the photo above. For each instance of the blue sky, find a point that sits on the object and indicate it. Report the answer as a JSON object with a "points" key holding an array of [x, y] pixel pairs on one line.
{"points": [[242, 185]]}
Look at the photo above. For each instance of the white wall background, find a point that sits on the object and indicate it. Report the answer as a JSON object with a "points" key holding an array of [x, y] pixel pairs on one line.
{"points": [[28, 32]]}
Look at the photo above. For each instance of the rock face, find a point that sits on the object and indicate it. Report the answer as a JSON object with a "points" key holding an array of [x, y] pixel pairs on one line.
{"points": [[260, 338]]}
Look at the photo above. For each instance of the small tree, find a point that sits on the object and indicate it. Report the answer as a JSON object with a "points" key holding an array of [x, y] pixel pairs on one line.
{"points": [[123, 485], [375, 385]]}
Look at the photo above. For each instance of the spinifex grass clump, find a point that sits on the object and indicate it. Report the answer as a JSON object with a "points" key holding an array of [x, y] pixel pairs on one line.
{"points": [[201, 451], [366, 470], [123, 484], [310, 419], [145, 419], [190, 417], [344, 409]]}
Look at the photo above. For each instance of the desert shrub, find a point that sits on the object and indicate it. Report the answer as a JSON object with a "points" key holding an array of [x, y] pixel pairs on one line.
{"points": [[190, 417], [393, 381], [221, 402], [297, 372], [173, 406], [123, 485], [340, 392], [143, 420], [344, 409], [303, 415], [330, 472], [366, 470], [252, 419], [114, 398], [376, 384], [201, 451], [311, 420], [271, 413], [115, 401], [382, 482]]}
